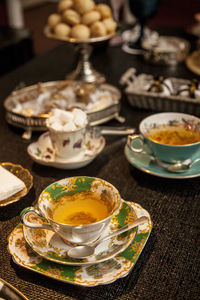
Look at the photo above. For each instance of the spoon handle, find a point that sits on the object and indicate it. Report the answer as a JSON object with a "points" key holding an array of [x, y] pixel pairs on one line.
{"points": [[109, 130], [131, 225], [195, 161]]}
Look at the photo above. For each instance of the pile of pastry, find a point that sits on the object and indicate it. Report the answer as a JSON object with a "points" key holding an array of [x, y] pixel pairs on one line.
{"points": [[81, 20]]}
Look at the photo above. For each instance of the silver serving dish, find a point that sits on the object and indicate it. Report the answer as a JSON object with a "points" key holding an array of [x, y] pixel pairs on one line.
{"points": [[29, 121], [167, 50]]}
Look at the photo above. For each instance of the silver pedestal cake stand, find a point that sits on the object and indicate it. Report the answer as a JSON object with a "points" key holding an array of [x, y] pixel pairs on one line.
{"points": [[84, 70]]}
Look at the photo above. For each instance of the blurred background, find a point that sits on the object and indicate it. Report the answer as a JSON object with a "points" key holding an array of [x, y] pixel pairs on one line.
{"points": [[22, 23]]}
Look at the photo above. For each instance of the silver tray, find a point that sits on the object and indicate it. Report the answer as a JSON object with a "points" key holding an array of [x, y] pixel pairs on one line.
{"points": [[155, 101], [37, 122]]}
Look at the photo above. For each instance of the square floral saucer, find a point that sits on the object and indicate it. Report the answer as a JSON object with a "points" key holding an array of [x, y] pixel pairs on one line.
{"points": [[85, 275]]}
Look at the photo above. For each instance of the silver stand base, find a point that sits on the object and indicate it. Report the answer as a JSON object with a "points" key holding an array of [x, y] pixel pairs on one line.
{"points": [[84, 70]]}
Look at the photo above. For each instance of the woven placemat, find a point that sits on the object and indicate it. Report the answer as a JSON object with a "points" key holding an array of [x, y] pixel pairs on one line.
{"points": [[168, 268]]}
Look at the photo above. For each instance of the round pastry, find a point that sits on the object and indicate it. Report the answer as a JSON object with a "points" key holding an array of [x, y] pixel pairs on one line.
{"points": [[98, 29], [53, 20], [83, 6], [62, 30], [104, 10], [80, 32], [110, 25], [71, 17], [91, 17], [64, 4]]}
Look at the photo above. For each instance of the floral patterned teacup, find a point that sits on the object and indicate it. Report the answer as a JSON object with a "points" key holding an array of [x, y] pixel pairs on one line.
{"points": [[167, 151], [65, 191], [67, 141]]}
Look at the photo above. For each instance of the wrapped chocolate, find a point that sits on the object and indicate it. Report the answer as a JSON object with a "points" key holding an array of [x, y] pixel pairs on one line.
{"points": [[191, 90], [160, 85]]}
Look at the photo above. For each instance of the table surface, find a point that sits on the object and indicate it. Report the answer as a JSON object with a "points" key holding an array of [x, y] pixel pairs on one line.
{"points": [[168, 267]]}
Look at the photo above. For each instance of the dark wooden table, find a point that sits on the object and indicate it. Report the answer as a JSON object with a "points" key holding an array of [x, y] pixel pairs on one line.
{"points": [[168, 268]]}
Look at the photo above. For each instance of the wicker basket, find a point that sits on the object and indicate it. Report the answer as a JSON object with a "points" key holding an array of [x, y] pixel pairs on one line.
{"points": [[156, 101]]}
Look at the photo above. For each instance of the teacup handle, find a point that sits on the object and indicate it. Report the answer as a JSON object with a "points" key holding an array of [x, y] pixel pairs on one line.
{"points": [[134, 137], [34, 211]]}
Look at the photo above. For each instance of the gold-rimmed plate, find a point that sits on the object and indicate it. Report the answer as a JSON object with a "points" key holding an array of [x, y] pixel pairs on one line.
{"points": [[22, 174], [193, 62]]}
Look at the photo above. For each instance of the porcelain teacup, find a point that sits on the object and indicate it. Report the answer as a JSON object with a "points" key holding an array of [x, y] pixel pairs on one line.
{"points": [[67, 132], [52, 198], [170, 153]]}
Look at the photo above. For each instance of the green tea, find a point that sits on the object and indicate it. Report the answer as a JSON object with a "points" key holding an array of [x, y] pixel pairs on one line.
{"points": [[80, 209], [174, 135]]}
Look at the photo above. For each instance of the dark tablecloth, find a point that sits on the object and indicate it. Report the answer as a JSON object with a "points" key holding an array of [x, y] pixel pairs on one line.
{"points": [[168, 268]]}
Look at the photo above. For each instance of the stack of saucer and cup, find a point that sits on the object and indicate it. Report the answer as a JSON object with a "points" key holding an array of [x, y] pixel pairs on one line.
{"points": [[171, 137]]}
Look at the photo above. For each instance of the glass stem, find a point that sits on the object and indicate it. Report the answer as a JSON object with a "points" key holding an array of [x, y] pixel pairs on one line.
{"points": [[142, 26]]}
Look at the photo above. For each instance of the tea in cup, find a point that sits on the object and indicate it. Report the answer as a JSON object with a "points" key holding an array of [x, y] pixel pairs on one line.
{"points": [[67, 131], [172, 137], [78, 209]]}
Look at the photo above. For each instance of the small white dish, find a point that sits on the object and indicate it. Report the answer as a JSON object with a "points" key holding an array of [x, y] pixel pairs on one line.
{"points": [[49, 245], [42, 152]]}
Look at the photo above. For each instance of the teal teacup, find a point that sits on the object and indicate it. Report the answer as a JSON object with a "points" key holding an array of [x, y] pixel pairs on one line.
{"points": [[172, 137]]}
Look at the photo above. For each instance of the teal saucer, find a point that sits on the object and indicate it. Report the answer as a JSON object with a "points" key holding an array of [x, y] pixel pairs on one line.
{"points": [[143, 162]]}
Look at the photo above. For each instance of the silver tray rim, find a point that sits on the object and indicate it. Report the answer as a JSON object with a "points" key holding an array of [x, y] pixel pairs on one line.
{"points": [[51, 84]]}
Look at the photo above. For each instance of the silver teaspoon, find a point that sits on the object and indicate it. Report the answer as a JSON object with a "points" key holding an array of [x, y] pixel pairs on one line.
{"points": [[86, 250], [180, 167]]}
